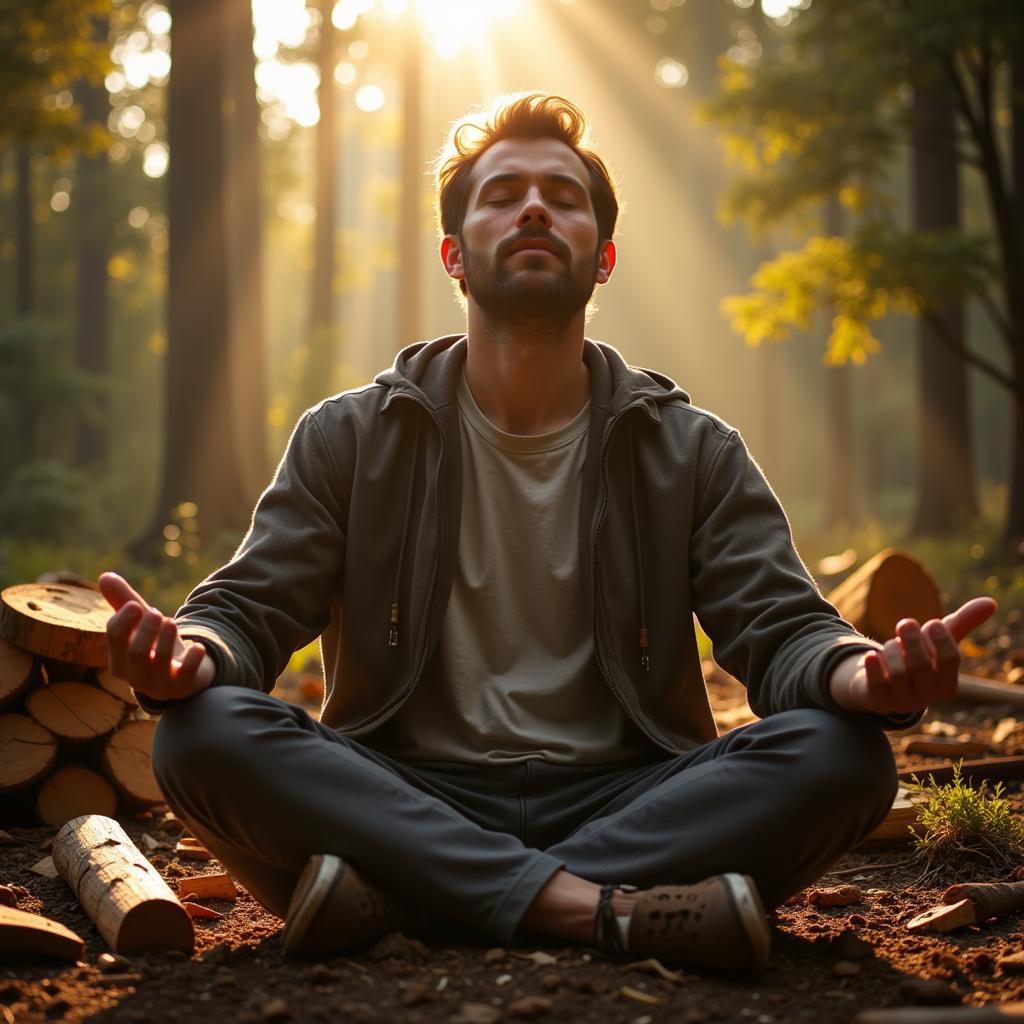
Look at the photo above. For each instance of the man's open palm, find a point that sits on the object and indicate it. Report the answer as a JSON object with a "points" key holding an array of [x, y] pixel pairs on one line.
{"points": [[920, 664], [144, 648]]}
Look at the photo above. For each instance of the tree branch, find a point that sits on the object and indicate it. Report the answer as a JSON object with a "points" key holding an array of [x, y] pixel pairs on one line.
{"points": [[971, 358]]}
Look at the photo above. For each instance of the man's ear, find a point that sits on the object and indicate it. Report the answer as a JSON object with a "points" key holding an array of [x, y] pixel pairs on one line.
{"points": [[606, 261], [451, 257]]}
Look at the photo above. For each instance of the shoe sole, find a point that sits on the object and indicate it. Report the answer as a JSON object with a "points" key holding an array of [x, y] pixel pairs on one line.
{"points": [[747, 901], [316, 883]]}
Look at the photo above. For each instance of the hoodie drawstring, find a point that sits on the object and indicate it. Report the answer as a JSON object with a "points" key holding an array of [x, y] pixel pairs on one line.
{"points": [[645, 660], [393, 627]]}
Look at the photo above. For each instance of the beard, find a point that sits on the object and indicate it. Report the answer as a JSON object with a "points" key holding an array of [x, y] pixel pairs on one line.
{"points": [[533, 292]]}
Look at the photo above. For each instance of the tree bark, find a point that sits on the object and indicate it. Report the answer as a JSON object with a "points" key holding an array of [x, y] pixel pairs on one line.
{"points": [[206, 408], [842, 501], [24, 276], [92, 301], [945, 492], [408, 319], [245, 249], [319, 368]]}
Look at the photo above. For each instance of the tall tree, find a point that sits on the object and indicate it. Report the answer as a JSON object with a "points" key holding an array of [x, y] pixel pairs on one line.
{"points": [[323, 334], [93, 229], [807, 131], [945, 473], [411, 220], [206, 409]]}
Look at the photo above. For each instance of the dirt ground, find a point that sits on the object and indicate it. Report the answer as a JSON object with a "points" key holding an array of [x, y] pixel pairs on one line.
{"points": [[827, 963]]}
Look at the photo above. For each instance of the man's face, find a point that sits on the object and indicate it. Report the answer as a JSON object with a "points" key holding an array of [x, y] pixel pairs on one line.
{"points": [[529, 245]]}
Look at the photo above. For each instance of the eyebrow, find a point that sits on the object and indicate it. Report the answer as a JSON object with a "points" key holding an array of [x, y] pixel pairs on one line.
{"points": [[515, 176]]}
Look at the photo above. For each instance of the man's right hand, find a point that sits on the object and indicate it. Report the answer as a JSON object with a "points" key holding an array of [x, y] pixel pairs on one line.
{"points": [[144, 649]]}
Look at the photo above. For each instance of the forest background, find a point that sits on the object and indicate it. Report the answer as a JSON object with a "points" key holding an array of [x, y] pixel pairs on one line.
{"points": [[214, 213]]}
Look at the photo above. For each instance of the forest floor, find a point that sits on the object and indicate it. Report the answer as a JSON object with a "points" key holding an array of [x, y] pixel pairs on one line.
{"points": [[827, 964]]}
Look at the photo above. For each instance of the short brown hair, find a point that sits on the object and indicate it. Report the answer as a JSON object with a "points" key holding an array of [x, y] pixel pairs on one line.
{"points": [[533, 115]]}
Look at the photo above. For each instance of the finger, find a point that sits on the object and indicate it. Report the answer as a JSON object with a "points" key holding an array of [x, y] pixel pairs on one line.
{"points": [[969, 616], [896, 670], [947, 656], [188, 666], [878, 691], [140, 646], [119, 629], [919, 659], [117, 591], [166, 634]]}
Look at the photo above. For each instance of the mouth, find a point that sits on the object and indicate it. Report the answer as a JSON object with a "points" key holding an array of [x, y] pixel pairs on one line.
{"points": [[534, 245]]}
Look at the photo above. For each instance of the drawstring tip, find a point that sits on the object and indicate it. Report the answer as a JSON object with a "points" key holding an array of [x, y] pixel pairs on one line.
{"points": [[645, 661], [393, 631]]}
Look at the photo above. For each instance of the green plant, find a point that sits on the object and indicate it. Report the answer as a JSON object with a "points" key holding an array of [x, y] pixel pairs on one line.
{"points": [[964, 829]]}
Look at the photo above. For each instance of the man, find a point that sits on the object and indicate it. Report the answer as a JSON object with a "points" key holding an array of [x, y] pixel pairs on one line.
{"points": [[502, 542]]}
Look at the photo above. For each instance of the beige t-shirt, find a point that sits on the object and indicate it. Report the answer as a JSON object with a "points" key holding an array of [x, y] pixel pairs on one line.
{"points": [[514, 677]]}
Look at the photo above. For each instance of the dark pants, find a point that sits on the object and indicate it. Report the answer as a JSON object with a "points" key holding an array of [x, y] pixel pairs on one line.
{"points": [[264, 786]]}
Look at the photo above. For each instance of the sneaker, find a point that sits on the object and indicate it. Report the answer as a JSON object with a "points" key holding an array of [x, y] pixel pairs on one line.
{"points": [[718, 924], [335, 910]]}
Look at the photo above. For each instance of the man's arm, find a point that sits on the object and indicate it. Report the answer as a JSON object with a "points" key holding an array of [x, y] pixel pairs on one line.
{"points": [[920, 664]]}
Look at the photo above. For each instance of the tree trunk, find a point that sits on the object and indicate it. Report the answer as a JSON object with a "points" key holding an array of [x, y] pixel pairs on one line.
{"points": [[92, 301], [408, 319], [318, 371], [945, 494], [1013, 530], [204, 399], [24, 277], [245, 250], [840, 465]]}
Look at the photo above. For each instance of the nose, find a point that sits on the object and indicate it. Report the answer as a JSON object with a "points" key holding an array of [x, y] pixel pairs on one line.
{"points": [[534, 210]]}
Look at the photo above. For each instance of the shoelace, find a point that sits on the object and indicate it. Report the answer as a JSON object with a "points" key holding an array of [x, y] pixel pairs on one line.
{"points": [[607, 937]]}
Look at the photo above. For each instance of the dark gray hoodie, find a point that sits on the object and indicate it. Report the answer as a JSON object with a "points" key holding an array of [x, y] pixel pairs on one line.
{"points": [[356, 539]]}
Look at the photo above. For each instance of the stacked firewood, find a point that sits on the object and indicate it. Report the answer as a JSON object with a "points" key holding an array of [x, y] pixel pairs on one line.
{"points": [[73, 739]]}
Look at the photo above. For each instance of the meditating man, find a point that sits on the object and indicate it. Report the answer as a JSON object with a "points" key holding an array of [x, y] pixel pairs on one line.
{"points": [[501, 542]]}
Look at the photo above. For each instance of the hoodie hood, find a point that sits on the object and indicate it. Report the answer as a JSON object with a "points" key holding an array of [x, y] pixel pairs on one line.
{"points": [[429, 370]]}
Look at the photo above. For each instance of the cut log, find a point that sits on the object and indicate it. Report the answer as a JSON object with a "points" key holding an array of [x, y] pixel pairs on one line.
{"points": [[976, 690], [941, 746], [128, 762], [25, 934], [896, 826], [27, 752], [18, 671], [945, 918], [128, 901], [75, 712], [56, 620], [993, 769], [116, 687], [72, 791], [942, 1014], [891, 586]]}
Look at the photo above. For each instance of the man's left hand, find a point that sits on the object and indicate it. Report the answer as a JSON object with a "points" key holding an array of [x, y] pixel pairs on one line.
{"points": [[919, 665]]}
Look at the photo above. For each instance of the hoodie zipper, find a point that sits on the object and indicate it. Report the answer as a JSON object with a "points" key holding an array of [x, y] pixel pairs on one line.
{"points": [[401, 697], [601, 516]]}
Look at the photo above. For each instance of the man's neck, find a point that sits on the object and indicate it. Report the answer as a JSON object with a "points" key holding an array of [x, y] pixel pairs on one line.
{"points": [[527, 377]]}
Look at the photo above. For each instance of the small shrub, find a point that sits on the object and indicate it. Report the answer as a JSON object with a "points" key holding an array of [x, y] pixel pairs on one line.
{"points": [[964, 829]]}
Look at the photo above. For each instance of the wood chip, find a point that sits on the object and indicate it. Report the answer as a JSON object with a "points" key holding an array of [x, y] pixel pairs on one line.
{"points": [[835, 896], [944, 918], [640, 997], [189, 852], [540, 958], [199, 912], [1013, 963], [44, 867], [208, 887]]}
